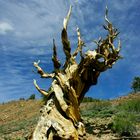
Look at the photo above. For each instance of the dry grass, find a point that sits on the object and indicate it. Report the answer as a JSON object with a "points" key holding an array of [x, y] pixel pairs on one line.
{"points": [[18, 118]]}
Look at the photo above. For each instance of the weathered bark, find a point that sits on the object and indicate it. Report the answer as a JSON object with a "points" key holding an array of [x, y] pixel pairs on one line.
{"points": [[60, 117]]}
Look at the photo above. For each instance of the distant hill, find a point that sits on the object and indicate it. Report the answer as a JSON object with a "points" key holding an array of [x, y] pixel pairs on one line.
{"points": [[103, 119]]}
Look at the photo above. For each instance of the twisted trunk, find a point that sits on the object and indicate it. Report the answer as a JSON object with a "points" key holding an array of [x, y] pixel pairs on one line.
{"points": [[60, 116]]}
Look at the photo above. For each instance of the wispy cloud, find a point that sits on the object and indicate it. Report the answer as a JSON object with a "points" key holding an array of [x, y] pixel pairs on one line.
{"points": [[28, 27], [35, 21]]}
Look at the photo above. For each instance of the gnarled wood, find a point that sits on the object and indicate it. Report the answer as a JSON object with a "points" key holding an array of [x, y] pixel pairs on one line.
{"points": [[60, 117]]}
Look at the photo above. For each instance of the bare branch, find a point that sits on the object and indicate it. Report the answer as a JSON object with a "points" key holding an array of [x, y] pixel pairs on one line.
{"points": [[41, 72], [64, 37], [119, 47], [112, 31], [66, 20], [80, 41], [66, 45], [40, 90], [55, 60], [105, 48], [80, 44], [66, 42], [111, 45], [98, 43], [106, 14]]}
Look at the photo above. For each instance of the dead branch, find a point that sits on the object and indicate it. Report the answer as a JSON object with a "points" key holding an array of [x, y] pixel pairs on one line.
{"points": [[80, 44], [64, 37], [66, 19], [41, 72], [40, 90], [55, 60]]}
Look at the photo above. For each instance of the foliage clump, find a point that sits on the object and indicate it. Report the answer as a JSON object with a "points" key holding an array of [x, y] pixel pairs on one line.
{"points": [[128, 115], [136, 84], [131, 106], [124, 124], [99, 109], [124, 116], [89, 99], [32, 97]]}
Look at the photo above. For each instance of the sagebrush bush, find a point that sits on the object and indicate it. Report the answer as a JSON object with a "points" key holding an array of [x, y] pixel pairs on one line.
{"points": [[32, 97], [131, 106], [99, 109], [124, 124], [89, 99]]}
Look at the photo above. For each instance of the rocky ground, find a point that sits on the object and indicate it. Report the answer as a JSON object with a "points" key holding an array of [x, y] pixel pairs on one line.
{"points": [[18, 118]]}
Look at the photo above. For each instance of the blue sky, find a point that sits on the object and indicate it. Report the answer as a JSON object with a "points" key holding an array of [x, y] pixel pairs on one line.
{"points": [[27, 28]]}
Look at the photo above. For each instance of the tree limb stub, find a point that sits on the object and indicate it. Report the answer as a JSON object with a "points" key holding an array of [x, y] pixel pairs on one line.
{"points": [[41, 72], [80, 44], [66, 20], [40, 90]]}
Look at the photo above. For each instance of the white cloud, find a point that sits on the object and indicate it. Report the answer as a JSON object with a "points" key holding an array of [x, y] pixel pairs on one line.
{"points": [[5, 28], [35, 23]]}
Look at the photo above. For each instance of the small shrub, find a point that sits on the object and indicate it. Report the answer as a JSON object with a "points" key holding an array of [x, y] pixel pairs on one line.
{"points": [[32, 97], [100, 105], [21, 99], [108, 112], [131, 106], [136, 84], [89, 99], [21, 125], [99, 109], [123, 124]]}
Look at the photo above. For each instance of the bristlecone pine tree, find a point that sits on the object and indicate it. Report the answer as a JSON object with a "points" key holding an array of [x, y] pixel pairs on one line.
{"points": [[60, 116]]}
